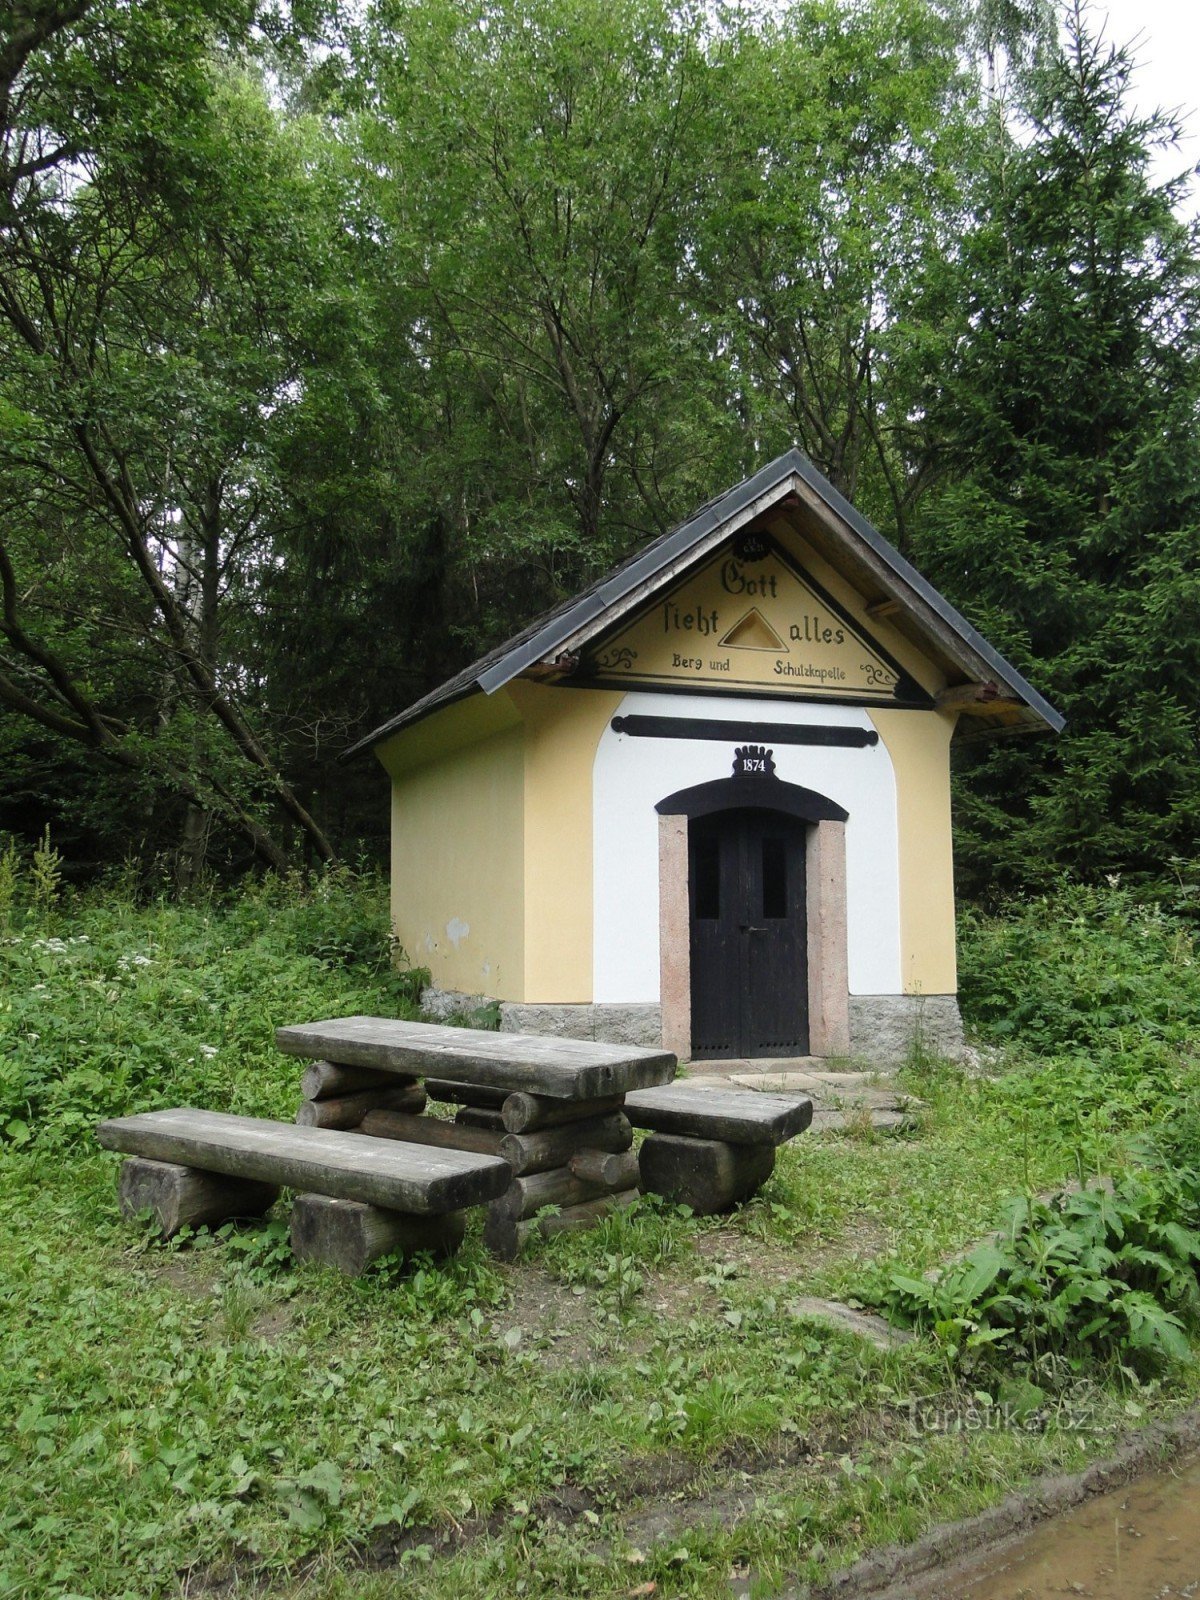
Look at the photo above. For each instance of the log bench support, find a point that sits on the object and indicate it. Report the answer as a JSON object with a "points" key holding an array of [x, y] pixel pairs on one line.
{"points": [[360, 1198], [349, 1236], [184, 1197], [708, 1175]]}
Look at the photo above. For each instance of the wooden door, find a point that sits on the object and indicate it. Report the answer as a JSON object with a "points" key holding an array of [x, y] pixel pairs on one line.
{"points": [[749, 936]]}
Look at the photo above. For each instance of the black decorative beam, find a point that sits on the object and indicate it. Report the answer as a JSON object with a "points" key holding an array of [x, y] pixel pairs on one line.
{"points": [[772, 733]]}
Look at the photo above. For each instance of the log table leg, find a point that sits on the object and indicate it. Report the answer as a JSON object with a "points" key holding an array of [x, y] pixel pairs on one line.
{"points": [[512, 1219], [593, 1133], [184, 1197], [349, 1235], [577, 1219], [706, 1174], [324, 1080]]}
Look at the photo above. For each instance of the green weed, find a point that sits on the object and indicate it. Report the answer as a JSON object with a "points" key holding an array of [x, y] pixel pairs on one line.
{"points": [[120, 1008], [1095, 1275]]}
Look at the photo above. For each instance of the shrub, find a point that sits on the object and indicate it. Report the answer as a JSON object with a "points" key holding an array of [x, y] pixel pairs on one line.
{"points": [[1082, 1277], [1088, 970]]}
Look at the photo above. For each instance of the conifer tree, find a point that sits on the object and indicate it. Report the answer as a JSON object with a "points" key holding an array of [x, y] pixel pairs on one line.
{"points": [[1068, 523]]}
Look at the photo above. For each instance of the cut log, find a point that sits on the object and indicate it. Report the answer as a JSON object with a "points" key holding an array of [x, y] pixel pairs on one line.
{"points": [[323, 1080], [349, 1235], [571, 1069], [706, 1174], [185, 1197], [554, 1147], [398, 1177], [523, 1113], [480, 1117], [571, 1219], [504, 1235], [431, 1131], [525, 1197], [736, 1116], [465, 1094], [609, 1170], [349, 1109]]}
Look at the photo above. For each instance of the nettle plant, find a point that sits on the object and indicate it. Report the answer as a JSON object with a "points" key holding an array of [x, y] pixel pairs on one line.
{"points": [[1084, 1277]]}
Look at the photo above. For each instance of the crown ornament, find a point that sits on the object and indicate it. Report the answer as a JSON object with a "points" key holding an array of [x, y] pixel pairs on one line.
{"points": [[753, 761]]}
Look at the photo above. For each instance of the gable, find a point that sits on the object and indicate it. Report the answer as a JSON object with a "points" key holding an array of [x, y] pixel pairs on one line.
{"points": [[751, 619], [589, 639]]}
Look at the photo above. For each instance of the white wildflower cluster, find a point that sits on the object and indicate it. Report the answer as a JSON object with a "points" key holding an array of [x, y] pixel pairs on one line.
{"points": [[128, 963], [205, 1051], [59, 947]]}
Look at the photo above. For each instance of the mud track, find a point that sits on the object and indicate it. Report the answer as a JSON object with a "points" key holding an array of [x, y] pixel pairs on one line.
{"points": [[920, 1571]]}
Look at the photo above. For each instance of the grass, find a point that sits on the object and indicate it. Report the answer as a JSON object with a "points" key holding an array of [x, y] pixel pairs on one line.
{"points": [[637, 1405]]}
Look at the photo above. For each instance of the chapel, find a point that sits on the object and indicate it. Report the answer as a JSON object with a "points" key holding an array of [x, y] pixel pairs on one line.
{"points": [[706, 802]]}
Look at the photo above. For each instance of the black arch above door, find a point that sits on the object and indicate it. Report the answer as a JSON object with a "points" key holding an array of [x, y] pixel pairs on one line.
{"points": [[754, 794]]}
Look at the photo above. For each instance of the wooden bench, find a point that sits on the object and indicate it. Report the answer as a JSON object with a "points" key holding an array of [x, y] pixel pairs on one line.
{"points": [[711, 1148], [359, 1198]]}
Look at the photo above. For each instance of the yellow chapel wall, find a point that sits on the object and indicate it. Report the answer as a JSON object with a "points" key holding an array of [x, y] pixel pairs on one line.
{"points": [[562, 729], [458, 846], [492, 841], [919, 745]]}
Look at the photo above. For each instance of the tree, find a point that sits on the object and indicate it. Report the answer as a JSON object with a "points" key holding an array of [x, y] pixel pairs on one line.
{"points": [[538, 166], [1067, 523], [821, 253], [155, 251]]}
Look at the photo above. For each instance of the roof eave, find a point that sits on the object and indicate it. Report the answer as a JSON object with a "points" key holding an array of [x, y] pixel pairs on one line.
{"points": [[415, 713]]}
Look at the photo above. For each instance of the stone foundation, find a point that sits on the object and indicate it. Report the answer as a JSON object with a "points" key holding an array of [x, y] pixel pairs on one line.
{"points": [[440, 1005], [883, 1027], [608, 1024]]}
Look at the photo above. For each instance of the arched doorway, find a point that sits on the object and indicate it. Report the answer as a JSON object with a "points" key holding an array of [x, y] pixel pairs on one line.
{"points": [[748, 934]]}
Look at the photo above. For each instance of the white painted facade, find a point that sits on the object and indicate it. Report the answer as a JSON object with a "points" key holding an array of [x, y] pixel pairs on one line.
{"points": [[631, 775]]}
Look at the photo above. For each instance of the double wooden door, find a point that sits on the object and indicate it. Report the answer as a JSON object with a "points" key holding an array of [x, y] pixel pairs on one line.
{"points": [[749, 935]]}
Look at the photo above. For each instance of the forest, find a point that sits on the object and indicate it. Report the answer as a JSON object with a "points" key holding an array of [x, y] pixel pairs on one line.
{"points": [[337, 342], [336, 345]]}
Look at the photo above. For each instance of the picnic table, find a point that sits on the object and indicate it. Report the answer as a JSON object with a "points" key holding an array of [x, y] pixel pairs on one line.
{"points": [[542, 1135], [552, 1108]]}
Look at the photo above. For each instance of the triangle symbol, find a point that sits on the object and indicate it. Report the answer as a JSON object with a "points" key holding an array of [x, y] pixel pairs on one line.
{"points": [[753, 632]]}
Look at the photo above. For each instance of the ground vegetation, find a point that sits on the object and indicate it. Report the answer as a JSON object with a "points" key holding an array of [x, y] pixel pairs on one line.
{"points": [[648, 1403]]}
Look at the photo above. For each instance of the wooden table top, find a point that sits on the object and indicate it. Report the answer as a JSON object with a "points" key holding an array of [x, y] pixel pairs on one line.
{"points": [[567, 1069]]}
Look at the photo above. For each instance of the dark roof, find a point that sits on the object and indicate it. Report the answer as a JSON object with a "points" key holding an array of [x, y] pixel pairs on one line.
{"points": [[542, 636]]}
